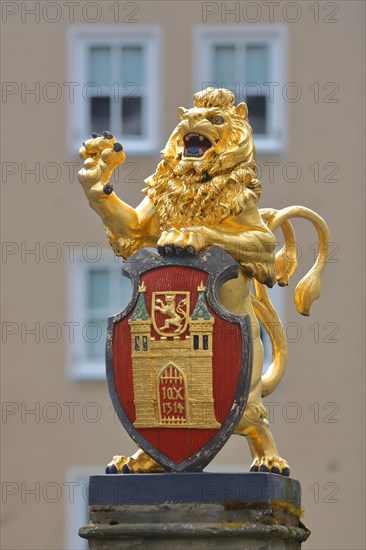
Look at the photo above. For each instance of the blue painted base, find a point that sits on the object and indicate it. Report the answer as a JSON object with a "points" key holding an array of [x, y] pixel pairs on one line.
{"points": [[200, 488]]}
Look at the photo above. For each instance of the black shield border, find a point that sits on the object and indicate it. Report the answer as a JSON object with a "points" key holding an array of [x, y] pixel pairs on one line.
{"points": [[220, 268]]}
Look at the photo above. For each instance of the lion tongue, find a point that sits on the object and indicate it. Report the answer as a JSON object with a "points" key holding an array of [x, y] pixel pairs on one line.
{"points": [[194, 151]]}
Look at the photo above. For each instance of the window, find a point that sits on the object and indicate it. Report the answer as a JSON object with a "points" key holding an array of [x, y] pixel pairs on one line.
{"points": [[97, 290], [76, 501], [137, 343], [250, 61], [116, 86], [144, 343], [205, 341]]}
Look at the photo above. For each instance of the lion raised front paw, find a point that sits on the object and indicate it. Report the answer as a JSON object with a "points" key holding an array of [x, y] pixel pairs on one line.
{"points": [[101, 155], [273, 464], [139, 463]]}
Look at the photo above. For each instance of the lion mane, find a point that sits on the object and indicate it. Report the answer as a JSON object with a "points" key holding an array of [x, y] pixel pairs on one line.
{"points": [[211, 189]]}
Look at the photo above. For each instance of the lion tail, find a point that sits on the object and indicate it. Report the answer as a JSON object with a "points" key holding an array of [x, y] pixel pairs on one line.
{"points": [[180, 309], [306, 292], [308, 289], [267, 314]]}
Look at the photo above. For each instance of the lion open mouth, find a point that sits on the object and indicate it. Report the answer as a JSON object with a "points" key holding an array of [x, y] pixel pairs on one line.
{"points": [[196, 145]]}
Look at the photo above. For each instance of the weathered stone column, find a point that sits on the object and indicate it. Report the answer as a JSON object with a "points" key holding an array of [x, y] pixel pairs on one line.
{"points": [[174, 511]]}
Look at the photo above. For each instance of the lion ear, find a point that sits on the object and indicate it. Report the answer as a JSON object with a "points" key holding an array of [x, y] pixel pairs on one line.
{"points": [[181, 112], [242, 110]]}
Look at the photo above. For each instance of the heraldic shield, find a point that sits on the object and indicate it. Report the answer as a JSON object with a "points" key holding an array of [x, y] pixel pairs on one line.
{"points": [[178, 363]]}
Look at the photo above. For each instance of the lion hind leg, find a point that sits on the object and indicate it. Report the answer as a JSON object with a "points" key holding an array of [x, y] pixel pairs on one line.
{"points": [[255, 427], [266, 457], [166, 324]]}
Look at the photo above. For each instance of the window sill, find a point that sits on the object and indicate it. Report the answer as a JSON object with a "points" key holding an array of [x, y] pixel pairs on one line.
{"points": [[93, 371], [266, 146]]}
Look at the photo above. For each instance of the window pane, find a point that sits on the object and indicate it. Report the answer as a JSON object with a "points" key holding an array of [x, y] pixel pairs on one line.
{"points": [[131, 116], [196, 341], [257, 109], [144, 343], [257, 64], [94, 334], [99, 285], [224, 66], [100, 66], [133, 66], [125, 290], [205, 341], [100, 115]]}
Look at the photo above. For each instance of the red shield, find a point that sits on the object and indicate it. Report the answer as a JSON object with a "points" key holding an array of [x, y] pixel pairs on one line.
{"points": [[179, 364]]}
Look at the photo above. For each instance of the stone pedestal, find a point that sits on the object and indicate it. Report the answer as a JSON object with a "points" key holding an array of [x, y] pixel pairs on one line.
{"points": [[174, 511]]}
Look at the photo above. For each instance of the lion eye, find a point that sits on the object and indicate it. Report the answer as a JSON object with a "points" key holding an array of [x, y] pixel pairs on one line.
{"points": [[217, 120]]}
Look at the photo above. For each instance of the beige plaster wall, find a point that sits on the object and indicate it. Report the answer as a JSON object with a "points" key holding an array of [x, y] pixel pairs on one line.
{"points": [[327, 457]]}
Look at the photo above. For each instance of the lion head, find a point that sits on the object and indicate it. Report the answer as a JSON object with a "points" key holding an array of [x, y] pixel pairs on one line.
{"points": [[208, 171]]}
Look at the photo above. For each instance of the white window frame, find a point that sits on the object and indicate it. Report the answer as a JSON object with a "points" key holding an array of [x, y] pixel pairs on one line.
{"points": [[76, 504], [80, 39], [79, 366], [273, 36]]}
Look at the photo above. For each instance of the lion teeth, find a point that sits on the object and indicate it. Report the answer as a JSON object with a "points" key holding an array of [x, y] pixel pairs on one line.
{"points": [[200, 151], [194, 135]]}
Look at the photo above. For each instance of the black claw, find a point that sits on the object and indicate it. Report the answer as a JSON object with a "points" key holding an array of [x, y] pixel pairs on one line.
{"points": [[190, 250], [107, 135], [254, 469], [275, 470], [108, 189], [286, 472], [263, 468], [125, 469], [178, 251], [95, 135], [111, 469], [161, 250], [117, 147], [169, 251]]}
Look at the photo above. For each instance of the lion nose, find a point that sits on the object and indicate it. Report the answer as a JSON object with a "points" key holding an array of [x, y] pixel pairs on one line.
{"points": [[193, 120]]}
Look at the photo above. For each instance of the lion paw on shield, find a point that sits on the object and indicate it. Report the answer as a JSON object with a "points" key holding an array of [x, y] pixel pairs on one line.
{"points": [[205, 192]]}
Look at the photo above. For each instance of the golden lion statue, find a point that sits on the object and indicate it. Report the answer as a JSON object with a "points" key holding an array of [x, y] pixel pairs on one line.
{"points": [[205, 192]]}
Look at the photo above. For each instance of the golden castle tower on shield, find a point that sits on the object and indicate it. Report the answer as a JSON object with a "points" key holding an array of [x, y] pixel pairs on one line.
{"points": [[172, 373]]}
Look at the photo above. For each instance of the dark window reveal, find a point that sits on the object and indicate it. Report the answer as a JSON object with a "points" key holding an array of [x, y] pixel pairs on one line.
{"points": [[137, 343], [257, 107], [205, 341], [100, 113], [144, 343], [196, 342], [131, 116]]}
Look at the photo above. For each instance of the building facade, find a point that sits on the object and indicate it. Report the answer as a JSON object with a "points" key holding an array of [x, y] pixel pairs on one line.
{"points": [[69, 68]]}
